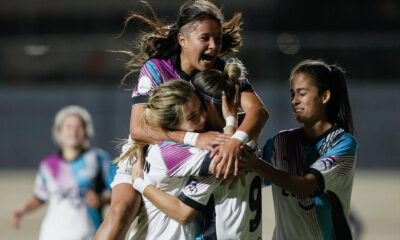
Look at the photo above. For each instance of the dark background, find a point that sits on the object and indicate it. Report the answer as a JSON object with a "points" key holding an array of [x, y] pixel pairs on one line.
{"points": [[56, 53]]}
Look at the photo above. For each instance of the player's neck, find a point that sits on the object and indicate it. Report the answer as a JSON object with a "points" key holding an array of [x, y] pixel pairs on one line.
{"points": [[315, 130], [185, 65], [70, 154]]}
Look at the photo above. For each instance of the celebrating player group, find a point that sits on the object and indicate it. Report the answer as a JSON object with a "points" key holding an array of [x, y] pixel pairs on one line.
{"points": [[192, 155], [191, 167]]}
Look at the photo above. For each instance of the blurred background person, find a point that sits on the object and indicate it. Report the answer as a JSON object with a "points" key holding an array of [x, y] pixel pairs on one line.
{"points": [[72, 180]]}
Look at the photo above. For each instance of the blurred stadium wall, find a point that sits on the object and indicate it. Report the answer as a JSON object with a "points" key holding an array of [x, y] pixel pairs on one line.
{"points": [[55, 53]]}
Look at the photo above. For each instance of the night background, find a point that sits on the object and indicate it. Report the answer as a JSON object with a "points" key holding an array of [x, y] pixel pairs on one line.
{"points": [[57, 53]]}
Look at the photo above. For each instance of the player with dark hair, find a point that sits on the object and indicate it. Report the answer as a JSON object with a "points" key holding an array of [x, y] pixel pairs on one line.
{"points": [[312, 168], [195, 42]]}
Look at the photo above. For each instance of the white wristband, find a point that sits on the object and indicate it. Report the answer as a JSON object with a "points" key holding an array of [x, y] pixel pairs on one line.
{"points": [[139, 184], [241, 136], [190, 138], [231, 121]]}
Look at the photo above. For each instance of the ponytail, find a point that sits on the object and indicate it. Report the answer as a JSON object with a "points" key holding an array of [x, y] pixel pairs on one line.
{"points": [[341, 115], [210, 84], [234, 70]]}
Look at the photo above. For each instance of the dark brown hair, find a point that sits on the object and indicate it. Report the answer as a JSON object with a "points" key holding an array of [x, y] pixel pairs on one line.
{"points": [[210, 83], [161, 42], [332, 78]]}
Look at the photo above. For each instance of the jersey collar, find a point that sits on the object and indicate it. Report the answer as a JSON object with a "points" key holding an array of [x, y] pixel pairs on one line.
{"points": [[314, 141]]}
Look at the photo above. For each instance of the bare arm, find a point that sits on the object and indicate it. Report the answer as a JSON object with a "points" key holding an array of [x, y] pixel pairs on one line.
{"points": [[151, 135], [170, 205], [32, 204], [301, 186], [256, 115], [154, 135], [125, 205], [252, 124]]}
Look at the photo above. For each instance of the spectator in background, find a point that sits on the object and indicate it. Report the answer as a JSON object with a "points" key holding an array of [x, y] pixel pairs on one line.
{"points": [[72, 180]]}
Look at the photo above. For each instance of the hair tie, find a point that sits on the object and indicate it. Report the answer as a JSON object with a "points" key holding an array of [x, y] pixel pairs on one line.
{"points": [[205, 96], [209, 98], [329, 68]]}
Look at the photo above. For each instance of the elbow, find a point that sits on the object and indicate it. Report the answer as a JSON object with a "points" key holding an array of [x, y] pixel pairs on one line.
{"points": [[306, 190], [123, 212], [264, 115], [134, 134], [120, 215], [186, 215], [185, 219]]}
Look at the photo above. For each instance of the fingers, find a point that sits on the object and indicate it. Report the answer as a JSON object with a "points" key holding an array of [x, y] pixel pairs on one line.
{"points": [[92, 199], [15, 219], [218, 141], [214, 152], [209, 139], [236, 166], [225, 106], [228, 167], [214, 162], [220, 167]]}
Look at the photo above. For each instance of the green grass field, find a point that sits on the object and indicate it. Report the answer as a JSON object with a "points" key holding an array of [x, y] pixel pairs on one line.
{"points": [[376, 200]]}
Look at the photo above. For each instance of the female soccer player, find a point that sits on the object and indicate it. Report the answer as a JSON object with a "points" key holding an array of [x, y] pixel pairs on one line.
{"points": [[168, 165], [227, 213], [193, 43], [71, 180], [312, 167]]}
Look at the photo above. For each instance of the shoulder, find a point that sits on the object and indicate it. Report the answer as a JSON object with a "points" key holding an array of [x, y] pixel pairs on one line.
{"points": [[170, 147], [51, 164], [155, 72], [149, 69], [294, 132], [284, 136], [345, 144], [172, 151], [51, 159], [155, 64]]}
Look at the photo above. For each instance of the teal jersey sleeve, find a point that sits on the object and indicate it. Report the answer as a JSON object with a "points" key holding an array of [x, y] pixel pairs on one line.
{"points": [[267, 155]]}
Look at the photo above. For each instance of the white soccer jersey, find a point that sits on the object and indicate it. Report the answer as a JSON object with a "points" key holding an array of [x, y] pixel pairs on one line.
{"points": [[331, 158], [242, 221], [168, 166], [63, 184], [228, 213], [124, 167]]}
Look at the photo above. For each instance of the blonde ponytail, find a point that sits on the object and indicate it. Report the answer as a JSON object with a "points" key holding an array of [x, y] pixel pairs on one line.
{"points": [[234, 70]]}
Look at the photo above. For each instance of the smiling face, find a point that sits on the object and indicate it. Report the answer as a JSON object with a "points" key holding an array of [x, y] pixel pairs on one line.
{"points": [[194, 116], [308, 105], [72, 132], [201, 42]]}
